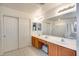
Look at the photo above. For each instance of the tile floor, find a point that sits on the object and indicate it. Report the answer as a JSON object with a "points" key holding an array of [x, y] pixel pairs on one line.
{"points": [[28, 51]]}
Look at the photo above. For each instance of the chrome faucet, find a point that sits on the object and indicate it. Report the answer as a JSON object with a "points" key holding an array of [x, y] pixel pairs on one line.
{"points": [[62, 40]]}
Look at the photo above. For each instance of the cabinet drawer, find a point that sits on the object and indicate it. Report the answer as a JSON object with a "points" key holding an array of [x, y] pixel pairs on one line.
{"points": [[45, 42]]}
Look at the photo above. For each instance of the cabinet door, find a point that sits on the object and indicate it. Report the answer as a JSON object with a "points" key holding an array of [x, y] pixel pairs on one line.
{"points": [[56, 50], [52, 49], [33, 41], [36, 43], [67, 52]]}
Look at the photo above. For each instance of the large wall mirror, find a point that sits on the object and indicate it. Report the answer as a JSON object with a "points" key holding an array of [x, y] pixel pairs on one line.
{"points": [[61, 26]]}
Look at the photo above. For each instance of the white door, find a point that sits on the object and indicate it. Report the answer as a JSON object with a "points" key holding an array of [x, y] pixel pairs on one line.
{"points": [[10, 26], [23, 32]]}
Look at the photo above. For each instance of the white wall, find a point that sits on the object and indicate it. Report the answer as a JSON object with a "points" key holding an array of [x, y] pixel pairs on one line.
{"points": [[15, 13], [24, 32], [35, 18]]}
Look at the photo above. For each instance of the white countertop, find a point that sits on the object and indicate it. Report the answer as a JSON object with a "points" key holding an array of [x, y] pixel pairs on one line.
{"points": [[68, 43]]}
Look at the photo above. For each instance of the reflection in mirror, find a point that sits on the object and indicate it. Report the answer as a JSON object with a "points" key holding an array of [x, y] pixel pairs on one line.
{"points": [[39, 26], [34, 26], [61, 27], [46, 28]]}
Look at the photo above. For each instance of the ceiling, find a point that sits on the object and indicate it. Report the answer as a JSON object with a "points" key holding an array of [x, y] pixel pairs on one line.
{"points": [[30, 7]]}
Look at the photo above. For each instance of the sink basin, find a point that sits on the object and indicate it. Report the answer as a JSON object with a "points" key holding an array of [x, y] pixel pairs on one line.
{"points": [[45, 36], [62, 40], [56, 39]]}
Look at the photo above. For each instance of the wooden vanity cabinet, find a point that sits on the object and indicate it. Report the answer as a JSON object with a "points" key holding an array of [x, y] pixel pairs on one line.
{"points": [[67, 52], [35, 42], [43, 42], [53, 49], [56, 50]]}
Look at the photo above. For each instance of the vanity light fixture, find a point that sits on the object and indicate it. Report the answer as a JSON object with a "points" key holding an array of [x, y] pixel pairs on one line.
{"points": [[66, 8]]}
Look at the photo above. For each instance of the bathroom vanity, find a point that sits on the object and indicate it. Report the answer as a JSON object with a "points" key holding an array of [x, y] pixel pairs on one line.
{"points": [[58, 33], [56, 45]]}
